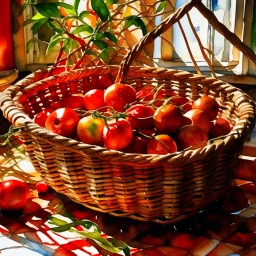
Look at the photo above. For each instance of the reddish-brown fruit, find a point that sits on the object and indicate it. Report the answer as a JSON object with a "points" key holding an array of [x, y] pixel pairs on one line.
{"points": [[219, 127], [168, 119], [94, 99], [190, 135], [198, 118], [41, 117], [72, 101], [161, 144], [207, 104]]}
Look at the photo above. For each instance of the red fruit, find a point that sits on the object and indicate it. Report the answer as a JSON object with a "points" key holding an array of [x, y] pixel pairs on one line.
{"points": [[117, 135], [207, 104], [104, 82], [94, 99], [41, 187], [55, 105], [138, 145], [198, 118], [219, 127], [62, 121], [90, 130], [14, 195], [161, 144], [72, 101], [140, 116], [119, 95], [190, 135], [41, 117], [168, 119]]}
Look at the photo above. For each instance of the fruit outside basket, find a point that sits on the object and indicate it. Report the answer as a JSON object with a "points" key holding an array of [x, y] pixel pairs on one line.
{"points": [[160, 188]]}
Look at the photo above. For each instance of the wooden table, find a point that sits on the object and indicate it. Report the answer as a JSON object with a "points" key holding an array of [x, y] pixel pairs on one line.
{"points": [[226, 227]]}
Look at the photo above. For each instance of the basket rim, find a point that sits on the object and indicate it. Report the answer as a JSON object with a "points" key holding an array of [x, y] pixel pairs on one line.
{"points": [[9, 100]]}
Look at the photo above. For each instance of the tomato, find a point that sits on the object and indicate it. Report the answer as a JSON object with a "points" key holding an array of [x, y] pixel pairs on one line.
{"points": [[161, 144], [219, 127], [41, 187], [14, 195], [168, 119], [104, 82], [55, 105], [41, 117], [72, 101], [90, 130], [94, 99], [207, 104], [137, 145], [119, 95], [118, 134], [140, 116], [62, 121]]}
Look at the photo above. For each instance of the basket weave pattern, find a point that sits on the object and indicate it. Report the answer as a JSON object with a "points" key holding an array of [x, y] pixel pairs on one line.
{"points": [[161, 188]]}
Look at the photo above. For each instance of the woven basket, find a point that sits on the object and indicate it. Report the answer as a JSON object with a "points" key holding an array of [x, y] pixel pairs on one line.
{"points": [[160, 188]]}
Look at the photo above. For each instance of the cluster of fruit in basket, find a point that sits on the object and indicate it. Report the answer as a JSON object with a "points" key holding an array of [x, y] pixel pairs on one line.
{"points": [[147, 120]]}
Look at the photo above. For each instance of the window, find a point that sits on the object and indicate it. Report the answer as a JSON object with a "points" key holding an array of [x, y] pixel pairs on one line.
{"points": [[235, 15]]}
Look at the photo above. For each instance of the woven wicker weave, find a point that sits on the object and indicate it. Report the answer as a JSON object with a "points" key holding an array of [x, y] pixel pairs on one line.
{"points": [[161, 188]]}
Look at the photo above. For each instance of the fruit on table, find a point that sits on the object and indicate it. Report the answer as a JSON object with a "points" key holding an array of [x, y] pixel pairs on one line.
{"points": [[90, 130], [14, 195], [63, 121], [41, 187]]}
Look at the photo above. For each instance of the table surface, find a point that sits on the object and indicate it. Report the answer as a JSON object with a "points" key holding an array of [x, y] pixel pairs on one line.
{"points": [[225, 227]]}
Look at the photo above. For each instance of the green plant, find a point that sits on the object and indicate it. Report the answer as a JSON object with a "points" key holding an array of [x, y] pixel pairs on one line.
{"points": [[101, 34]]}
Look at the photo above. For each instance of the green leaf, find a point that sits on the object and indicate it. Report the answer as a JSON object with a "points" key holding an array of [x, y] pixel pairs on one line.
{"points": [[64, 5], [90, 52], [161, 6], [84, 14], [52, 44], [55, 27], [100, 9], [48, 10], [36, 26], [28, 21], [105, 54], [136, 21], [83, 28], [100, 44], [31, 42], [99, 36], [38, 16], [58, 221], [111, 2], [110, 37], [26, 3], [76, 5]]}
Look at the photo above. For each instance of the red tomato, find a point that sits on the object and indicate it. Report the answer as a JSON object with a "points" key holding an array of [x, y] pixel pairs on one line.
{"points": [[168, 119], [119, 95], [138, 145], [90, 130], [14, 195], [55, 105], [72, 101], [63, 121], [117, 135], [140, 116], [94, 99], [41, 187], [161, 144], [104, 82], [41, 117]]}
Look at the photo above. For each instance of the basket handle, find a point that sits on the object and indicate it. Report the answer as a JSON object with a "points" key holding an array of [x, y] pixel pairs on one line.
{"points": [[168, 22]]}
